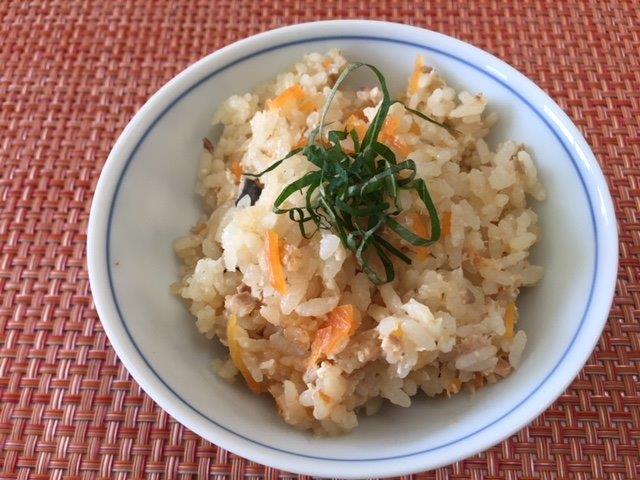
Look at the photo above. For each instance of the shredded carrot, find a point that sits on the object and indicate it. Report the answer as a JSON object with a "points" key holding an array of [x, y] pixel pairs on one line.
{"points": [[319, 344], [276, 272], [419, 228], [510, 319], [236, 169], [415, 76], [445, 222], [388, 136], [359, 114], [399, 145], [234, 331], [341, 324], [307, 106], [301, 143], [361, 130], [354, 122], [351, 122], [342, 321], [293, 93], [390, 126]]}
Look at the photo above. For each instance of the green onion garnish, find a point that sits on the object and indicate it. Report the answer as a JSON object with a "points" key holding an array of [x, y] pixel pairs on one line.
{"points": [[355, 195]]}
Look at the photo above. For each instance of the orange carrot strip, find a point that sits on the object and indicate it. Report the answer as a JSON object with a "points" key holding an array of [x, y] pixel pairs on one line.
{"points": [[510, 319], [354, 122], [342, 321], [319, 344], [236, 169], [294, 92], [390, 126], [235, 352], [388, 136], [415, 76], [419, 228], [301, 143], [341, 324], [307, 106], [276, 272], [399, 145], [445, 222]]}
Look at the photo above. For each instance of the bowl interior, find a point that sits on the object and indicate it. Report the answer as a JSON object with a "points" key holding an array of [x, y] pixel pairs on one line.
{"points": [[155, 204]]}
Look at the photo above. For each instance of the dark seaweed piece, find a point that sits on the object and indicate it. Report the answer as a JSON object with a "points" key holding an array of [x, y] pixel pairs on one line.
{"points": [[251, 188]]}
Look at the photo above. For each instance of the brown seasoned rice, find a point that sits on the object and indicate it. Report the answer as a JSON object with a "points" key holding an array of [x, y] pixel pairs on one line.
{"points": [[447, 322]]}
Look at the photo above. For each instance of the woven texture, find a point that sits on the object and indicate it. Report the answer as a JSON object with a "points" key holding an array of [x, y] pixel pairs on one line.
{"points": [[72, 73]]}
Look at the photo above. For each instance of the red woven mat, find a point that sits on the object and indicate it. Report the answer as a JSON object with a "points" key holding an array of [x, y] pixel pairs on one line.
{"points": [[73, 73]]}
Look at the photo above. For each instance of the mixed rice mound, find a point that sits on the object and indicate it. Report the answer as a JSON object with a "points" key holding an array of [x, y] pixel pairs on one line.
{"points": [[447, 322]]}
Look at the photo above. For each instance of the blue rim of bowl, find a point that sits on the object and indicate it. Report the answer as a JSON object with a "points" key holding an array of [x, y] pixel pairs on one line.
{"points": [[331, 38]]}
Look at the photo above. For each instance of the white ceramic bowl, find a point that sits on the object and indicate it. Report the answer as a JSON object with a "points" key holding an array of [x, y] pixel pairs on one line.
{"points": [[145, 199]]}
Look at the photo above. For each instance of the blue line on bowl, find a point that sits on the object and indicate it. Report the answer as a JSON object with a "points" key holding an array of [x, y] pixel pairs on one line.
{"points": [[367, 38]]}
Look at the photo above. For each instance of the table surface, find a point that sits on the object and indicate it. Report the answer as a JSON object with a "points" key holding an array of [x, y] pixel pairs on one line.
{"points": [[72, 73]]}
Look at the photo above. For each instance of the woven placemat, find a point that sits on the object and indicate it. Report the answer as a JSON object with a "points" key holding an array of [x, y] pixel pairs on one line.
{"points": [[72, 73]]}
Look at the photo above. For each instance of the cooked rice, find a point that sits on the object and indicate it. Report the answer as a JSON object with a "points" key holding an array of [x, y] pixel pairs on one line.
{"points": [[439, 328]]}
